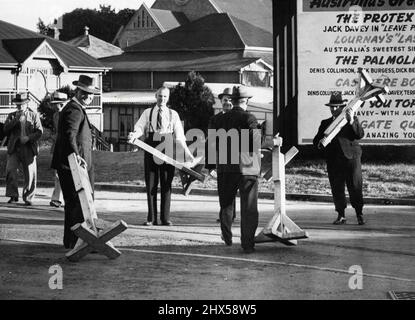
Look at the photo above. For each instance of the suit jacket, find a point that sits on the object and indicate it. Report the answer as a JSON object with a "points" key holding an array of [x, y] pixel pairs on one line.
{"points": [[210, 145], [248, 156], [74, 135], [345, 142], [33, 127]]}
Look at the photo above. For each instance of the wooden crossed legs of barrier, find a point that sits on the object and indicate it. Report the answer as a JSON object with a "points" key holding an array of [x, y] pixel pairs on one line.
{"points": [[93, 234], [99, 242], [280, 228]]}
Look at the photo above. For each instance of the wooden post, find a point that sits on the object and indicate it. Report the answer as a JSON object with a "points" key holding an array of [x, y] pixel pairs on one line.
{"points": [[93, 233], [280, 228]]}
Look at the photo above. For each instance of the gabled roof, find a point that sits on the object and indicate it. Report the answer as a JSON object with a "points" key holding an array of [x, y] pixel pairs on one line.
{"points": [[164, 19], [256, 12], [95, 47], [213, 32], [25, 40], [179, 61], [169, 20], [21, 49]]}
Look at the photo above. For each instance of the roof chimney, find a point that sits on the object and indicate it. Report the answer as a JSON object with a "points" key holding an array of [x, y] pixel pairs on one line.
{"points": [[86, 30], [56, 33]]}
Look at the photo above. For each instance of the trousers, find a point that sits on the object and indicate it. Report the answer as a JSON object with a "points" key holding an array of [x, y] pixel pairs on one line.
{"points": [[345, 172], [72, 208], [248, 190], [23, 156]]}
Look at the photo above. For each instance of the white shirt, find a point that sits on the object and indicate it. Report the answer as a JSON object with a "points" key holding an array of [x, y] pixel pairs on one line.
{"points": [[173, 125]]}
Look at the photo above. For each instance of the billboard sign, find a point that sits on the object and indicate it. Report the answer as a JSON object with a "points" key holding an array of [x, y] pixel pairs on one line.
{"points": [[335, 38]]}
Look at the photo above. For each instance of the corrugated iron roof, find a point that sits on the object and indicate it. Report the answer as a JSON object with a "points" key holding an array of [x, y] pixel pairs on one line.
{"points": [[70, 55], [213, 32], [21, 49], [179, 61], [95, 47], [129, 97], [168, 19], [262, 98], [255, 12]]}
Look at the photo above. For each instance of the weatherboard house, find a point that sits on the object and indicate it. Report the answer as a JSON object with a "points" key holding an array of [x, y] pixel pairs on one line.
{"points": [[39, 65], [229, 42]]}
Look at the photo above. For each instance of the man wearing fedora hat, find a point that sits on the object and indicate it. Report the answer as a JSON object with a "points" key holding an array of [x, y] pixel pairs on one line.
{"points": [[226, 100], [242, 174], [58, 100], [74, 136], [343, 158], [24, 129]]}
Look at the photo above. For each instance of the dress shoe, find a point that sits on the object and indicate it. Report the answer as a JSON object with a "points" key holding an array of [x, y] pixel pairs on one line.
{"points": [[55, 203], [248, 250], [166, 223], [360, 220], [340, 220], [228, 242], [148, 223], [27, 203], [13, 200]]}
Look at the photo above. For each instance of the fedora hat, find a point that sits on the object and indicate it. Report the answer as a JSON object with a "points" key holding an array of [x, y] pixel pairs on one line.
{"points": [[86, 84], [226, 92], [336, 100], [240, 92], [21, 98], [58, 97]]}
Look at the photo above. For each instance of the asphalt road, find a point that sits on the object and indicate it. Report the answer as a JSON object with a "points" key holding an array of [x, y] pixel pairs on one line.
{"points": [[189, 261]]}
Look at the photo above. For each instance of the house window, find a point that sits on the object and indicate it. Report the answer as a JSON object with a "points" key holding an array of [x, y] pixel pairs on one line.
{"points": [[142, 19], [256, 79], [138, 21]]}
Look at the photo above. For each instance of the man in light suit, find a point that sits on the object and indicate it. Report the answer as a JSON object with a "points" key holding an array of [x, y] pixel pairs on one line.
{"points": [[343, 158], [74, 136], [24, 129]]}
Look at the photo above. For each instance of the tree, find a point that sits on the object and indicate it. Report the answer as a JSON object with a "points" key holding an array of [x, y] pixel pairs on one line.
{"points": [[194, 102], [103, 23], [44, 29]]}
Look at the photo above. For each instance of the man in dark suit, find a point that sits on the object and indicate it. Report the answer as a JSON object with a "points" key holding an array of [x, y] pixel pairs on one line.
{"points": [[238, 167], [24, 129], [343, 157], [74, 136], [226, 100]]}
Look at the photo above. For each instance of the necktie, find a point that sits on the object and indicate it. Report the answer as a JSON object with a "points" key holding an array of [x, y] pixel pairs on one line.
{"points": [[23, 124], [159, 120]]}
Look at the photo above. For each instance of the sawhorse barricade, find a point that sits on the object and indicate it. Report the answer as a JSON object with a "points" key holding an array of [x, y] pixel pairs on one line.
{"points": [[188, 174], [93, 234], [280, 228]]}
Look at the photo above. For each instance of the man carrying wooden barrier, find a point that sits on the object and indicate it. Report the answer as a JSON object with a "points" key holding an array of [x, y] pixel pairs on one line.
{"points": [[93, 234], [338, 138], [159, 124]]}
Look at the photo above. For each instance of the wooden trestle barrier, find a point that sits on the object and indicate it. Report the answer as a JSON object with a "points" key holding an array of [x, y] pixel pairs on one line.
{"points": [[94, 234], [280, 228]]}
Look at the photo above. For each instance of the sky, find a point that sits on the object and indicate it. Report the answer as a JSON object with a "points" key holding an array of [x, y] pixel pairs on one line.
{"points": [[26, 13]]}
